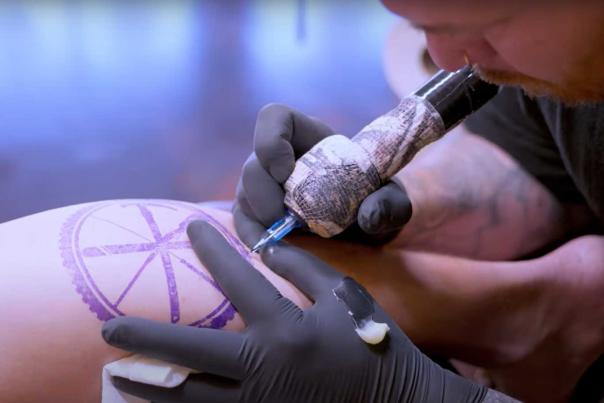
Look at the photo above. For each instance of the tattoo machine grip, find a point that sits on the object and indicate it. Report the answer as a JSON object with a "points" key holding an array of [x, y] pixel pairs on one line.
{"points": [[330, 181]]}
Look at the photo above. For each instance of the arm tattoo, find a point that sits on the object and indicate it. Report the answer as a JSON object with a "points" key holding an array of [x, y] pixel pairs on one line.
{"points": [[480, 204], [493, 396]]}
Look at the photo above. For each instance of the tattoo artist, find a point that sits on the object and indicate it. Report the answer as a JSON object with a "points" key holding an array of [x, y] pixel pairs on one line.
{"points": [[524, 174]]}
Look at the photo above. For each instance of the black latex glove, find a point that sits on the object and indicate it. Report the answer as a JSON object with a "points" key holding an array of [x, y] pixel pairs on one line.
{"points": [[281, 136], [285, 354]]}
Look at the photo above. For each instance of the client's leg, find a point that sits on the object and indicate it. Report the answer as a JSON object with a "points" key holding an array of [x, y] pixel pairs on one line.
{"points": [[65, 271]]}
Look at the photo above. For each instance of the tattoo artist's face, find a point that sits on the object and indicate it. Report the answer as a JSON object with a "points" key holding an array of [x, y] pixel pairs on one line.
{"points": [[551, 48]]}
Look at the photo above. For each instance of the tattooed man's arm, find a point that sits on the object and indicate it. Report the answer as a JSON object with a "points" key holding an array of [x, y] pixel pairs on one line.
{"points": [[470, 198]]}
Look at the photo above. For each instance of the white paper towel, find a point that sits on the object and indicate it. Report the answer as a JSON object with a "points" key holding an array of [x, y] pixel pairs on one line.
{"points": [[140, 369]]}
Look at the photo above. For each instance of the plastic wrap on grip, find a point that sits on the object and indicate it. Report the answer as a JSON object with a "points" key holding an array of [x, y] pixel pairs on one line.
{"points": [[329, 183], [332, 179], [393, 139]]}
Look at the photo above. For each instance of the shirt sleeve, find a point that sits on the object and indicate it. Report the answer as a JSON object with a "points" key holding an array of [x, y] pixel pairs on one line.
{"points": [[515, 123]]}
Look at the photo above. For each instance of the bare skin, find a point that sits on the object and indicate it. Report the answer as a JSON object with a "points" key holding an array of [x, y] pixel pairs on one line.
{"points": [[552, 366]]}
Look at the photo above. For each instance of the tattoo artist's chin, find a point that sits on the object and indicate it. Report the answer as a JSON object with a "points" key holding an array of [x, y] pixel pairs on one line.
{"points": [[572, 92]]}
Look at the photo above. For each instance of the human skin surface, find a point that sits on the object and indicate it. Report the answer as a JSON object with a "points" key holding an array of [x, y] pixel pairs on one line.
{"points": [[65, 271], [50, 341]]}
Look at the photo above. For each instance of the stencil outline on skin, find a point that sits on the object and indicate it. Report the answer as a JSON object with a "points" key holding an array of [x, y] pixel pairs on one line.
{"points": [[160, 247]]}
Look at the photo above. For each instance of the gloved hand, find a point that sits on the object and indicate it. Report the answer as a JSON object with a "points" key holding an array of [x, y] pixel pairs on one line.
{"points": [[282, 135], [285, 354]]}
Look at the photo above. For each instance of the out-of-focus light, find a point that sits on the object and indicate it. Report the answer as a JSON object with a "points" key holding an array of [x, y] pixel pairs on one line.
{"points": [[283, 60], [66, 58]]}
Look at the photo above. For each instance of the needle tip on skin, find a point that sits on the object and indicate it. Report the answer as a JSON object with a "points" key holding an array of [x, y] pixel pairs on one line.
{"points": [[258, 246]]}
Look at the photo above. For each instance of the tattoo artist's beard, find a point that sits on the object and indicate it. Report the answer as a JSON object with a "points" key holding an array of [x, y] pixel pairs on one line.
{"points": [[577, 89]]}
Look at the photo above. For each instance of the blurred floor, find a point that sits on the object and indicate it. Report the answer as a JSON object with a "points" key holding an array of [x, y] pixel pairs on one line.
{"points": [[157, 99]]}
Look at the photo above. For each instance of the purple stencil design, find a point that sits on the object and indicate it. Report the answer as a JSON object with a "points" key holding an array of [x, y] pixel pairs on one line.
{"points": [[150, 222], [136, 276], [198, 272], [220, 321], [172, 290], [93, 252], [75, 257]]}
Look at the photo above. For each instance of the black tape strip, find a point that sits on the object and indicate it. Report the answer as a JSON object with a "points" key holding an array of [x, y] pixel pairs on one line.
{"points": [[356, 298]]}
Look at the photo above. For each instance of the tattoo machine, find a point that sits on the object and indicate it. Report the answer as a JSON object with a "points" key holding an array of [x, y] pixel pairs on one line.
{"points": [[331, 180]]}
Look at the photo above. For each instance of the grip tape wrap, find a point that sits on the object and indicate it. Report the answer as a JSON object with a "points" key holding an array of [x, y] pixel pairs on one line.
{"points": [[332, 179]]}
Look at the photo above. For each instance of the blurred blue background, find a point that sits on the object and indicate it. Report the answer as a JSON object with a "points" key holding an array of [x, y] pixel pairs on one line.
{"points": [[158, 99]]}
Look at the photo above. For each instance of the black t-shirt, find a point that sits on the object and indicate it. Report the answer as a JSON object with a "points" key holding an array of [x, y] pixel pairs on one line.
{"points": [[561, 146]]}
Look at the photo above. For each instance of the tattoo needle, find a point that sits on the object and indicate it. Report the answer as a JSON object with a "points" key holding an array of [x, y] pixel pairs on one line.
{"points": [[278, 230]]}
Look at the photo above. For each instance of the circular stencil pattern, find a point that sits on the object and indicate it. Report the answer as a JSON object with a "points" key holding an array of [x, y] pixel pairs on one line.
{"points": [[141, 253]]}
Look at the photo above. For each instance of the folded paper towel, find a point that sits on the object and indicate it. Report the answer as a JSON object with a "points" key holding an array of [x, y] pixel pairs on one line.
{"points": [[140, 369]]}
